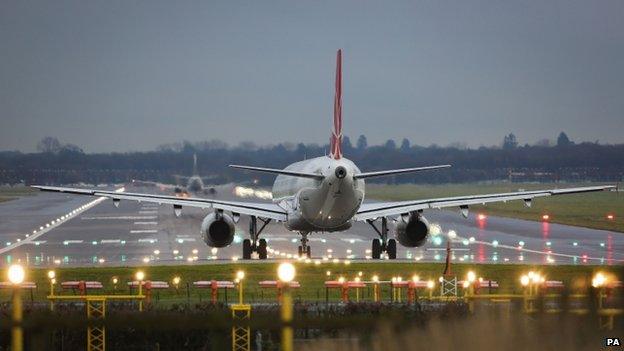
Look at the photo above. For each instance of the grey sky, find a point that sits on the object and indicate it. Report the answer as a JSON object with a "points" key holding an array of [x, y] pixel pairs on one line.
{"points": [[129, 75]]}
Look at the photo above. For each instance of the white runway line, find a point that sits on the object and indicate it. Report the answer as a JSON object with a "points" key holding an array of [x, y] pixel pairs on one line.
{"points": [[67, 242], [148, 212], [118, 217], [148, 240], [143, 231], [145, 223], [110, 241]]}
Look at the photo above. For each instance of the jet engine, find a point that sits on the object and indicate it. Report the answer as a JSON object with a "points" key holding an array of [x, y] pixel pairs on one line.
{"points": [[412, 230], [218, 229]]}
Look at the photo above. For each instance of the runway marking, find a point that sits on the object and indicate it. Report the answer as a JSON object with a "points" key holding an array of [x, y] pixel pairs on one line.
{"points": [[110, 241], [148, 212], [148, 240], [145, 223], [67, 242], [351, 241], [143, 231], [182, 240], [118, 217]]}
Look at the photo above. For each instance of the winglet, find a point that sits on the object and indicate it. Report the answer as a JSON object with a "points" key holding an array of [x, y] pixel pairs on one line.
{"points": [[336, 138]]}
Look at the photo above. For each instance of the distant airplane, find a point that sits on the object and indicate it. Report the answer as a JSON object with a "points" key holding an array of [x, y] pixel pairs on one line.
{"points": [[324, 194], [194, 184]]}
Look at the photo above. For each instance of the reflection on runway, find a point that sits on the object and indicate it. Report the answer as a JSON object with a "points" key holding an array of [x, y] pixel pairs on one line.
{"points": [[88, 231]]}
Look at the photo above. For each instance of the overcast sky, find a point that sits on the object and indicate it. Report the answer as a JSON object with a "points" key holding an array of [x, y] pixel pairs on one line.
{"points": [[130, 75]]}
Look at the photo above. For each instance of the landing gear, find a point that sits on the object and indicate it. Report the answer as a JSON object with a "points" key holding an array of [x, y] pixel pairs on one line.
{"points": [[383, 244], [254, 244], [304, 250]]}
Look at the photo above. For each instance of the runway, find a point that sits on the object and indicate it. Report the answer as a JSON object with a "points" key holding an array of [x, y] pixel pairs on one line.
{"points": [[87, 231]]}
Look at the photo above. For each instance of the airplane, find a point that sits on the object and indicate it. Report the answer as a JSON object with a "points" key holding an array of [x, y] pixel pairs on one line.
{"points": [[194, 184], [323, 194]]}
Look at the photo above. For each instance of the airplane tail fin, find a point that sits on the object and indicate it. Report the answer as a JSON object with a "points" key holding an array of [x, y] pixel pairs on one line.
{"points": [[336, 137]]}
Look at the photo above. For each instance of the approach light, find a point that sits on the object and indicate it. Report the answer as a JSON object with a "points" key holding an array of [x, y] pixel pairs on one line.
{"points": [[465, 284], [51, 274], [375, 279], [415, 278], [286, 272], [481, 216], [525, 280], [471, 277], [610, 217], [115, 280], [545, 217], [240, 275], [140, 275], [341, 280], [599, 280], [176, 280], [16, 274], [430, 284]]}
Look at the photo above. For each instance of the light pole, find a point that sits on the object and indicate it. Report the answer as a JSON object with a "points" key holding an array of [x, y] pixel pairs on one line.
{"points": [[176, 283], [375, 288], [240, 275], [139, 277], [16, 277], [52, 278], [286, 273]]}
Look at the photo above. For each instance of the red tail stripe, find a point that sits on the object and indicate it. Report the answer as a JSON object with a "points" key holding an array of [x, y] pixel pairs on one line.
{"points": [[336, 139]]}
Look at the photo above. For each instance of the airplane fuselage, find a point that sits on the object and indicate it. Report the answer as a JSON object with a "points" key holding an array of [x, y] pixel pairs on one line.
{"points": [[320, 205]]}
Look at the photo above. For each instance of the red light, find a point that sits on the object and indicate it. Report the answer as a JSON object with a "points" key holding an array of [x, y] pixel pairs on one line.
{"points": [[545, 217], [610, 217], [481, 216]]}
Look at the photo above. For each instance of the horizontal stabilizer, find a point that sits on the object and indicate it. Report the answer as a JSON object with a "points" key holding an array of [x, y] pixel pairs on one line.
{"points": [[397, 171], [281, 171]]}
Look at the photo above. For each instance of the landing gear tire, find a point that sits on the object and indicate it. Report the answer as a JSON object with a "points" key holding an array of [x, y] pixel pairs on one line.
{"points": [[391, 249], [376, 249], [299, 250], [309, 252], [246, 249], [262, 249]]}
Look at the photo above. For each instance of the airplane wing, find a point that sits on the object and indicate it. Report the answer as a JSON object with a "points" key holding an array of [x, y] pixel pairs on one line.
{"points": [[381, 209], [259, 209]]}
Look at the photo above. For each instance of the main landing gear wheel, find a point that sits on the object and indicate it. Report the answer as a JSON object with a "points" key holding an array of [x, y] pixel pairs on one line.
{"points": [[262, 249], [391, 249], [246, 249], [376, 249]]}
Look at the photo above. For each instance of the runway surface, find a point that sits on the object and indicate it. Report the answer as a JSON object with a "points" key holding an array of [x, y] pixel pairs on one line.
{"points": [[90, 231]]}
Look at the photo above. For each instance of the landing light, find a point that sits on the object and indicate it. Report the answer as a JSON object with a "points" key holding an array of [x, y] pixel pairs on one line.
{"points": [[481, 216], [545, 217]]}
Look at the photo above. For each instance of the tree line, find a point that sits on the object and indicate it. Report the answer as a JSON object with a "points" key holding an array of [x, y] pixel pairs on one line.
{"points": [[565, 160]]}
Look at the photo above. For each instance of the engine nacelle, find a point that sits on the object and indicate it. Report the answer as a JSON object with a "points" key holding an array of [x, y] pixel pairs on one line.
{"points": [[412, 232], [218, 229]]}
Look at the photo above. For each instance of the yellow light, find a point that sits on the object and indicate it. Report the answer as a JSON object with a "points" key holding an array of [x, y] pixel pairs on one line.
{"points": [[16, 274], [357, 279], [415, 278], [341, 279], [394, 279], [471, 276], [240, 275], [531, 275], [115, 280], [286, 272], [430, 284], [176, 280], [375, 279], [466, 284], [524, 280], [51, 274], [360, 273], [139, 276], [399, 279], [328, 273], [53, 280]]}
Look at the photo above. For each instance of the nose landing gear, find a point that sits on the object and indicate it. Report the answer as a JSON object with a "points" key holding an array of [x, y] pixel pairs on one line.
{"points": [[383, 244], [304, 250]]}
